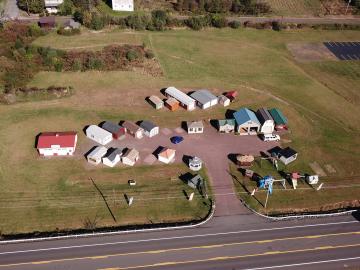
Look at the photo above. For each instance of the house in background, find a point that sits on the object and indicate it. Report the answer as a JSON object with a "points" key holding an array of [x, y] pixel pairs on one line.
{"points": [[247, 122], [195, 127], [204, 98], [51, 6], [99, 134], [150, 129], [226, 125], [172, 104], [185, 101], [95, 156], [71, 24], [279, 119], [133, 129], [47, 22], [156, 102], [266, 121], [112, 157], [167, 155], [57, 143], [223, 100], [130, 157], [118, 132], [122, 5]]}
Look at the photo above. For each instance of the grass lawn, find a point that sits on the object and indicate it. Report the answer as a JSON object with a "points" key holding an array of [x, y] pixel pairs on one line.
{"points": [[321, 101], [336, 193]]}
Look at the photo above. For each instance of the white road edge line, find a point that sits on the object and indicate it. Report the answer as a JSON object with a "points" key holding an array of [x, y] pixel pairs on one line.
{"points": [[172, 238], [302, 264]]}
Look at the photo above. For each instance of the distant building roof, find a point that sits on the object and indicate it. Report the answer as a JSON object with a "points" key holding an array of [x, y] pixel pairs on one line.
{"points": [[72, 24], [155, 100], [98, 152], [244, 115], [111, 127], [278, 117], [203, 96], [131, 154], [148, 126], [180, 96], [112, 153], [132, 127], [263, 115], [63, 139], [167, 153], [224, 122], [195, 124], [47, 20], [172, 101], [97, 131]]}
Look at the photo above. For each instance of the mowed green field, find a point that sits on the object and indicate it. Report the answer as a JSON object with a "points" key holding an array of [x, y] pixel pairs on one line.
{"points": [[315, 97]]}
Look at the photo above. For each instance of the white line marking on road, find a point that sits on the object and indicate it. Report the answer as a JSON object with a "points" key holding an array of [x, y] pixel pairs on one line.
{"points": [[175, 237], [302, 264]]}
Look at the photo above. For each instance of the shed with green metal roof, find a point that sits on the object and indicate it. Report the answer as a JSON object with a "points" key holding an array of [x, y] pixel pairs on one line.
{"points": [[280, 120]]}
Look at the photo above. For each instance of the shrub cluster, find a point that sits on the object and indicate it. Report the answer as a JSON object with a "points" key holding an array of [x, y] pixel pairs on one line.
{"points": [[68, 32]]}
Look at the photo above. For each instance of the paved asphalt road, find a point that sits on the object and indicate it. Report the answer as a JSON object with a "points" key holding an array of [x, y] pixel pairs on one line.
{"points": [[227, 242]]}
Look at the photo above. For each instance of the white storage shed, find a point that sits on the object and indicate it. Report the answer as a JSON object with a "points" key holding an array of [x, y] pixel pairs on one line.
{"points": [[187, 102], [266, 121], [96, 155], [204, 98], [99, 134]]}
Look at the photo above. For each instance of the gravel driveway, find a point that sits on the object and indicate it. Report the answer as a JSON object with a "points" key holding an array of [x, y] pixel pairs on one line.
{"points": [[213, 148]]}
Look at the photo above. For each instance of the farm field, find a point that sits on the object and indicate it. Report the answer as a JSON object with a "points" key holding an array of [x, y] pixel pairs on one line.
{"points": [[320, 100], [295, 7]]}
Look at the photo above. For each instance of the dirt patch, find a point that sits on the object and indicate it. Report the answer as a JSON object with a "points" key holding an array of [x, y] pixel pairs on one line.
{"points": [[310, 52], [329, 168], [317, 169]]}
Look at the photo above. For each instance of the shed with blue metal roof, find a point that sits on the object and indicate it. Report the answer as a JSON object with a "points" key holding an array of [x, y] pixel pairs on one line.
{"points": [[246, 122]]}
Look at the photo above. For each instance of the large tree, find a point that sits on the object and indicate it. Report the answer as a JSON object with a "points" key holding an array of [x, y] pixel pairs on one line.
{"points": [[31, 6]]}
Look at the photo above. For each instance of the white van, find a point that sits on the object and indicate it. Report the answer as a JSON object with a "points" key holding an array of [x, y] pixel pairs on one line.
{"points": [[270, 137]]}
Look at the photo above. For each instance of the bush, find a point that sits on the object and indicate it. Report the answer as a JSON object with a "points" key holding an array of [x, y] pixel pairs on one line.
{"points": [[197, 22], [58, 66], [34, 30], [159, 19], [94, 63], [97, 22], [77, 65], [33, 6], [68, 32], [138, 22], [66, 8], [219, 21], [276, 26], [132, 55], [78, 16], [235, 24]]}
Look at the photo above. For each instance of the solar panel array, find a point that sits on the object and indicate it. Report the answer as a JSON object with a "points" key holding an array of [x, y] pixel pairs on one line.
{"points": [[344, 50]]}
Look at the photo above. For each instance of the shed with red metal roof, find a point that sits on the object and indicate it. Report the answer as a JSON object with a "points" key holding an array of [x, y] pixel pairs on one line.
{"points": [[57, 143]]}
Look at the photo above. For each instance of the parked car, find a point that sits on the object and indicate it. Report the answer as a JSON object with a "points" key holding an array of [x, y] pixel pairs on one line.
{"points": [[270, 137], [176, 139]]}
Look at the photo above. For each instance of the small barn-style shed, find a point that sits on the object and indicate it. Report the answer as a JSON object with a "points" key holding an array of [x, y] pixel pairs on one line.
{"points": [[57, 143], [150, 129], [226, 125], [47, 22], [133, 129], [130, 157], [280, 120], [95, 156], [117, 131], [156, 102], [172, 104], [204, 98], [99, 134], [266, 121], [287, 155], [195, 127], [247, 122], [167, 155], [223, 100], [112, 157]]}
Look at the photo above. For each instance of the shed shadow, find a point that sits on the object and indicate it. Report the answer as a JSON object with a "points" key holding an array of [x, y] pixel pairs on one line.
{"points": [[157, 151], [88, 152], [229, 114], [214, 123], [186, 177], [37, 140], [186, 159], [85, 128], [232, 158]]}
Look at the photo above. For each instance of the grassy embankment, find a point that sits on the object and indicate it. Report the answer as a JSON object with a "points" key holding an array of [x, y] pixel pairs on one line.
{"points": [[324, 123]]}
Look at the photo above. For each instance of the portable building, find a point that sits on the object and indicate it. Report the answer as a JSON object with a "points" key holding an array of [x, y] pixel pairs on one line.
{"points": [[133, 129], [223, 100], [47, 22], [247, 122], [266, 121], [57, 143], [195, 127], [117, 131], [150, 129], [99, 134], [226, 125], [172, 104], [287, 155], [71, 24], [280, 120], [112, 157], [95, 156], [122, 5], [130, 157], [184, 100], [156, 102], [166, 155], [204, 98], [231, 95]]}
